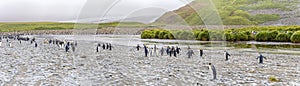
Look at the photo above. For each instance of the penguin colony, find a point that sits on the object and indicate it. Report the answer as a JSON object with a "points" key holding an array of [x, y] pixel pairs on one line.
{"points": [[175, 51], [70, 46]]}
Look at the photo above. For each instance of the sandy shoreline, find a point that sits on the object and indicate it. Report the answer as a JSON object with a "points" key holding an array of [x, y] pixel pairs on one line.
{"points": [[48, 65]]}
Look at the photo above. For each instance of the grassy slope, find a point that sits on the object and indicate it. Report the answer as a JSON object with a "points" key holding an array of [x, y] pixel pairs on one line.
{"points": [[232, 12], [23, 26]]}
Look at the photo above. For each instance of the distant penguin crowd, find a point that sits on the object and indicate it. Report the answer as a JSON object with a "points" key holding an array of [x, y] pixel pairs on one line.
{"points": [[67, 45], [104, 46], [155, 51], [149, 50]]}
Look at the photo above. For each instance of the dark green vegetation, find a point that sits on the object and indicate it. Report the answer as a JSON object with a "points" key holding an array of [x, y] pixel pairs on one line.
{"points": [[296, 37], [231, 12], [264, 34], [25, 26]]}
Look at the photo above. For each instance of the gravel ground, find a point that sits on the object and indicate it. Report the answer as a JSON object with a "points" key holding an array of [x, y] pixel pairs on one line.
{"points": [[24, 64]]}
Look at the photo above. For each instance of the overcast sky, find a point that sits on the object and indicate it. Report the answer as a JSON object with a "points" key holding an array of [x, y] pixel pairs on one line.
{"points": [[85, 10]]}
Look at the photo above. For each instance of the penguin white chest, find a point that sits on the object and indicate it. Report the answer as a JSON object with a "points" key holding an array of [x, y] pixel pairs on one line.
{"points": [[10, 45], [211, 71]]}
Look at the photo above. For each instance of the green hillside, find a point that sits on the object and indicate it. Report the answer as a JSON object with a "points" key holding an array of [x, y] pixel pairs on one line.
{"points": [[232, 12], [24, 26]]}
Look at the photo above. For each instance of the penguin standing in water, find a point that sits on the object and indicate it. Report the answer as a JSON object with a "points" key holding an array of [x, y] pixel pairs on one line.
{"points": [[155, 50], [190, 52], [97, 48], [201, 52], [107, 46], [138, 47], [168, 50], [146, 50], [103, 46], [50, 41], [67, 47], [174, 51], [33, 40], [177, 50], [162, 50], [261, 58], [150, 51], [35, 44], [213, 70], [10, 45], [60, 45], [171, 50], [110, 47], [98, 45], [226, 54]]}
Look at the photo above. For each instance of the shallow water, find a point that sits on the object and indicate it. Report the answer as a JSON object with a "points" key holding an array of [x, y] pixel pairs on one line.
{"points": [[133, 40]]}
